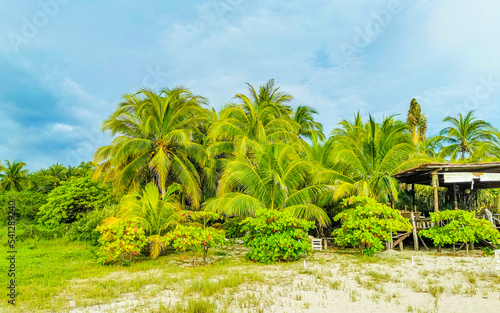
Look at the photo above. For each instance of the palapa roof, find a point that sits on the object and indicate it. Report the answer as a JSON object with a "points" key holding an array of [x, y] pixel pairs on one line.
{"points": [[422, 175]]}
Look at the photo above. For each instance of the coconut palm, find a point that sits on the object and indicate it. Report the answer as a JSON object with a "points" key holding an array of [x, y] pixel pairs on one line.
{"points": [[85, 169], [366, 156], [308, 128], [262, 117], [430, 147], [156, 214], [154, 133], [278, 180], [465, 135], [14, 176], [58, 173], [72, 171]]}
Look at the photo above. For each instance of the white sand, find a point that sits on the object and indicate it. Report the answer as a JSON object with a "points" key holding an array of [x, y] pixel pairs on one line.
{"points": [[335, 282]]}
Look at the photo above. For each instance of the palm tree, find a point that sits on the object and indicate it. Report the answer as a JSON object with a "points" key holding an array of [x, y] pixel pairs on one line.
{"points": [[58, 173], [308, 128], [430, 147], [465, 135], [278, 180], [262, 117], [72, 171], [366, 156], [13, 176], [156, 214], [417, 122], [154, 142]]}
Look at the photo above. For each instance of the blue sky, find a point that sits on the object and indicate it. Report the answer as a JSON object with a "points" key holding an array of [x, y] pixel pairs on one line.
{"points": [[65, 64]]}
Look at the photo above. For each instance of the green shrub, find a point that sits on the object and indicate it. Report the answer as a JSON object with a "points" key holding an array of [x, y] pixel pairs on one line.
{"points": [[233, 228], [276, 236], [461, 226], [26, 231], [27, 204], [121, 239], [78, 195], [195, 238], [365, 222], [84, 228]]}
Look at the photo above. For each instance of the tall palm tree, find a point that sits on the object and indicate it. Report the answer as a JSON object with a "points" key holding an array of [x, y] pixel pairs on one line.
{"points": [[157, 214], [154, 142], [14, 176], [308, 128], [278, 180], [261, 117], [465, 135], [366, 156], [417, 122]]}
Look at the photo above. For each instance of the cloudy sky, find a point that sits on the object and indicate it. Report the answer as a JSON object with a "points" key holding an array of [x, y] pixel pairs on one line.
{"points": [[65, 64]]}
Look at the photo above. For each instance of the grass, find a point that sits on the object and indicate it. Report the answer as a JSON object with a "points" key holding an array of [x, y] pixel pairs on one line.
{"points": [[64, 272]]}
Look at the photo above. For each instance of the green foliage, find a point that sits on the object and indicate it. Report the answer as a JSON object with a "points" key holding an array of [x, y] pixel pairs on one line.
{"points": [[84, 228], [367, 155], [276, 236], [417, 122], [14, 176], [195, 238], [157, 214], [465, 136], [233, 228], [369, 223], [78, 195], [279, 178], [121, 239], [460, 226], [309, 128], [27, 203], [26, 231], [199, 218], [154, 142]]}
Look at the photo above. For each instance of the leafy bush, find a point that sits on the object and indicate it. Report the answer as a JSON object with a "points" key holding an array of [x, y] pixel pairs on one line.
{"points": [[276, 236], [84, 228], [461, 226], [26, 231], [27, 203], [121, 239], [233, 228], [195, 238], [369, 223], [78, 195]]}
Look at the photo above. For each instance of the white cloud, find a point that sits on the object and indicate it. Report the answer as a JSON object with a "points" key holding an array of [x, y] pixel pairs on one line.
{"points": [[434, 51]]}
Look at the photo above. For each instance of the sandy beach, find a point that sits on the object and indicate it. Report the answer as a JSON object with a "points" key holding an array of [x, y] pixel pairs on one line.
{"points": [[329, 281]]}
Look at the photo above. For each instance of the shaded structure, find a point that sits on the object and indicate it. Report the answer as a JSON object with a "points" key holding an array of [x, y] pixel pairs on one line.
{"points": [[460, 178]]}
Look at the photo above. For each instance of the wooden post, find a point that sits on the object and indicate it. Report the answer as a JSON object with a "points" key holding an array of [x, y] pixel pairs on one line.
{"points": [[455, 196], [435, 184], [415, 234], [414, 207]]}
